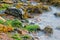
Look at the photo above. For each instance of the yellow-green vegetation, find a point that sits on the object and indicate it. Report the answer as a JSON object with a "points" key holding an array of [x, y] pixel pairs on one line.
{"points": [[18, 24], [4, 6], [26, 36], [8, 22], [4, 28], [1, 21], [31, 28], [14, 23], [16, 37]]}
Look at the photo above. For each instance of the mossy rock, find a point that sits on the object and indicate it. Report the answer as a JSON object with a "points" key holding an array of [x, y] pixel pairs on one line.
{"points": [[14, 12], [57, 14], [45, 8], [48, 29]]}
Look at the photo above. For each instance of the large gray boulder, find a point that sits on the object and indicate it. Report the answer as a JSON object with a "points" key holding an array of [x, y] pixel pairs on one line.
{"points": [[14, 12]]}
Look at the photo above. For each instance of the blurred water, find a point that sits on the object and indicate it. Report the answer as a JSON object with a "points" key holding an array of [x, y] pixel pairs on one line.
{"points": [[48, 18]]}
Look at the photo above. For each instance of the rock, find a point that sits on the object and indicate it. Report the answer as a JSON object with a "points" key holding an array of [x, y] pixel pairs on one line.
{"points": [[36, 38], [39, 29], [38, 19], [4, 36], [15, 1], [32, 23], [58, 27], [48, 30], [46, 8], [15, 12], [36, 10], [56, 3], [8, 1], [25, 21], [57, 14], [23, 32]]}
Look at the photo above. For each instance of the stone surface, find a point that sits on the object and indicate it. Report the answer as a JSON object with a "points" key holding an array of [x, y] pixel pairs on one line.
{"points": [[57, 14], [48, 30]]}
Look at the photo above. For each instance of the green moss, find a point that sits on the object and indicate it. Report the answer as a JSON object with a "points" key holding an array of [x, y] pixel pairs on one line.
{"points": [[8, 22], [1, 21], [31, 27], [16, 37], [16, 23], [4, 6], [26, 36]]}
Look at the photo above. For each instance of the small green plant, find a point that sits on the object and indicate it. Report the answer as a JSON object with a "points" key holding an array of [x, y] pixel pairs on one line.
{"points": [[31, 27], [16, 23], [26, 36], [1, 21], [8, 22], [4, 6], [16, 37]]}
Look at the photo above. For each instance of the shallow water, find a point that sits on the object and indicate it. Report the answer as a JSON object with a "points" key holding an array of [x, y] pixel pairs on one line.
{"points": [[48, 18]]}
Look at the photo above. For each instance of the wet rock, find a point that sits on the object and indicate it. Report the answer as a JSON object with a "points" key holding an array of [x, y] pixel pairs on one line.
{"points": [[56, 3], [10, 17], [48, 30], [25, 21], [39, 29], [4, 36], [23, 32], [58, 28], [14, 12], [36, 38], [38, 19], [57, 14], [36, 10], [45, 8], [32, 23], [34, 33], [15, 1], [7, 1]]}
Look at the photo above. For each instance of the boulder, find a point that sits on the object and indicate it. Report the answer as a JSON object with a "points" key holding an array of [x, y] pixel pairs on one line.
{"points": [[58, 28], [45, 8], [57, 14], [23, 32], [56, 3], [48, 30], [36, 38], [14, 12], [7, 1]]}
